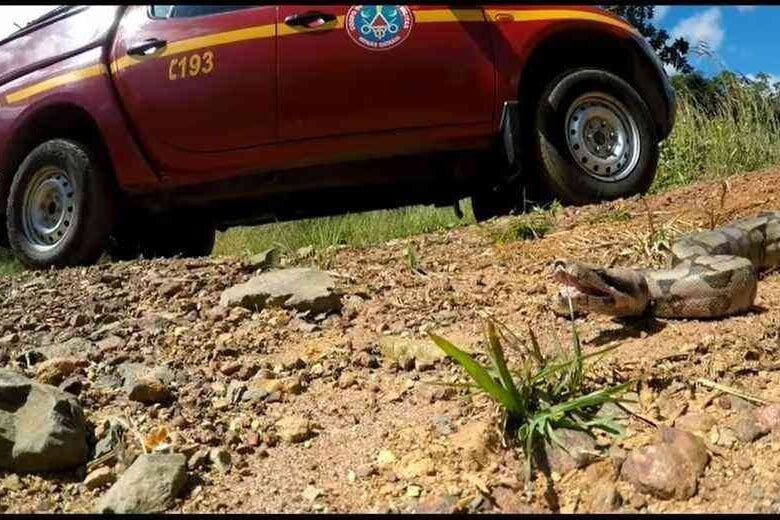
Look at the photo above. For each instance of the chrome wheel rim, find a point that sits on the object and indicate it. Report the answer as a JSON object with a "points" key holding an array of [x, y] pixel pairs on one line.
{"points": [[49, 208], [602, 136]]}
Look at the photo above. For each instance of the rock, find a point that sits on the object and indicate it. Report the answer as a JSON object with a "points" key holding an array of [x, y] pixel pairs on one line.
{"points": [[401, 349], [579, 450], [670, 467], [73, 348], [311, 493], [110, 344], [78, 319], [437, 504], [689, 447], [413, 491], [605, 498], [264, 260], [747, 428], [346, 380], [41, 427], [302, 289], [54, 371], [12, 482], [73, 385], [198, 458], [695, 422], [732, 402], [220, 459], [385, 458], [148, 486], [262, 386], [294, 429], [768, 417], [9, 340], [171, 288], [146, 384], [217, 313], [414, 465], [99, 478], [149, 390], [477, 440]]}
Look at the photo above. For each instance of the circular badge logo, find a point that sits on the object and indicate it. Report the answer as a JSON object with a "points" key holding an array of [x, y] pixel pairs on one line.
{"points": [[379, 27]]}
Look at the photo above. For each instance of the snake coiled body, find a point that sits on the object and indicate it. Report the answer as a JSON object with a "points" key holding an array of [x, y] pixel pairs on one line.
{"points": [[711, 274]]}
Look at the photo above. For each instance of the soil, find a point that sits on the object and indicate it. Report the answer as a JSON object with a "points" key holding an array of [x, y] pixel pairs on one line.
{"points": [[365, 409]]}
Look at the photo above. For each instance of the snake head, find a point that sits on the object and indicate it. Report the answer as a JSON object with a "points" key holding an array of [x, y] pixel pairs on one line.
{"points": [[612, 291]]}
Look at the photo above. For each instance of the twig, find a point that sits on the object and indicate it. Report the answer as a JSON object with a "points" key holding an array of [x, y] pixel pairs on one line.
{"points": [[732, 391]]}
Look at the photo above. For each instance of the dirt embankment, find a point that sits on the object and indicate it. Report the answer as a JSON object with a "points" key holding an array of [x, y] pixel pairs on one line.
{"points": [[316, 415]]}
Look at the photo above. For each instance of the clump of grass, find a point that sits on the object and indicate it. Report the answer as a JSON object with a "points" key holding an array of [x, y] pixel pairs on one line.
{"points": [[540, 395], [8, 263], [610, 215], [530, 226]]}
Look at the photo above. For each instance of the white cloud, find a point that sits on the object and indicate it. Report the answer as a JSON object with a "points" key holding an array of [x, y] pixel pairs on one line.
{"points": [[704, 27], [21, 14], [745, 8], [660, 12]]}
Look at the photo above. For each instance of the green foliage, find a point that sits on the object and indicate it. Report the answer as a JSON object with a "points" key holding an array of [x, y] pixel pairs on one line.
{"points": [[732, 128], [355, 229], [8, 263], [640, 16], [540, 395]]}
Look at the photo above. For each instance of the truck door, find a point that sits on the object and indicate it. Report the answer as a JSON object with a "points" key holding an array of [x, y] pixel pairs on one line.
{"points": [[356, 69], [197, 80]]}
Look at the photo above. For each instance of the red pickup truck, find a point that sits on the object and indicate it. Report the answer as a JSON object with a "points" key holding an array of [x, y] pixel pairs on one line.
{"points": [[144, 129]]}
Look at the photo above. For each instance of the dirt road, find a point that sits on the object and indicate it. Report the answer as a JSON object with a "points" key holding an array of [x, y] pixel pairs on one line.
{"points": [[360, 431]]}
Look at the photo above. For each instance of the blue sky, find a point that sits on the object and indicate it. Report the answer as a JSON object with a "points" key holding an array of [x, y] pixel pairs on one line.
{"points": [[743, 37]]}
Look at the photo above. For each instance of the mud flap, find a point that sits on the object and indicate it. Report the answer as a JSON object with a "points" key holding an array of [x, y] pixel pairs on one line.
{"points": [[509, 132]]}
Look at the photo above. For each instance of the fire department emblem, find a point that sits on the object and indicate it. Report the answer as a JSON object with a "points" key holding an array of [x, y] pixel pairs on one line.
{"points": [[379, 27]]}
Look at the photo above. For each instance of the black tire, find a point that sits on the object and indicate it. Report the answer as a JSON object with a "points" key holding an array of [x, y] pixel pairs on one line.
{"points": [[563, 176], [70, 177], [162, 236]]}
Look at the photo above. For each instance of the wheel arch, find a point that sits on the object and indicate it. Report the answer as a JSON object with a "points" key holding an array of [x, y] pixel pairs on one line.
{"points": [[630, 57], [63, 121]]}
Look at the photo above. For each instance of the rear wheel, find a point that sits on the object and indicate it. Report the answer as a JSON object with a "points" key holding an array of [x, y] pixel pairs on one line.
{"points": [[593, 138], [60, 206]]}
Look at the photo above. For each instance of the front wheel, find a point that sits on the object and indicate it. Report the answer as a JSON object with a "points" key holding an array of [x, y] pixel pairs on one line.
{"points": [[60, 207], [594, 138]]}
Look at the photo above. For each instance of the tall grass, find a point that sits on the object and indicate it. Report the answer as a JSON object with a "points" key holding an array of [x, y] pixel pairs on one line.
{"points": [[743, 134]]}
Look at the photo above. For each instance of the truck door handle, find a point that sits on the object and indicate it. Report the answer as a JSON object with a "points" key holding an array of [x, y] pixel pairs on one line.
{"points": [[309, 19], [142, 49]]}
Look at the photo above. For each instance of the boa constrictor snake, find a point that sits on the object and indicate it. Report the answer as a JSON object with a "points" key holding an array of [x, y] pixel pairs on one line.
{"points": [[711, 274]]}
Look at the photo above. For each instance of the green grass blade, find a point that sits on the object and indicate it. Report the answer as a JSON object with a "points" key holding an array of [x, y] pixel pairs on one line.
{"points": [[497, 355], [478, 373]]}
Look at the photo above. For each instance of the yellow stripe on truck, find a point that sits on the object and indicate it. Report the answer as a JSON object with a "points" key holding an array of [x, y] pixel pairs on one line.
{"points": [[57, 81], [267, 31], [533, 15]]}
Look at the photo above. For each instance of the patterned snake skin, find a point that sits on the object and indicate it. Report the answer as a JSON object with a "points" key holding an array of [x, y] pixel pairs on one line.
{"points": [[711, 274]]}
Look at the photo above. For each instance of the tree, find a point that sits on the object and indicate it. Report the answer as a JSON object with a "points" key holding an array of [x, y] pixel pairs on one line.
{"points": [[640, 16]]}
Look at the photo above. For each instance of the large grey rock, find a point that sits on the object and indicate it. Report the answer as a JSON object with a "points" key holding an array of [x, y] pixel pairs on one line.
{"points": [[41, 427], [148, 486], [298, 288]]}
